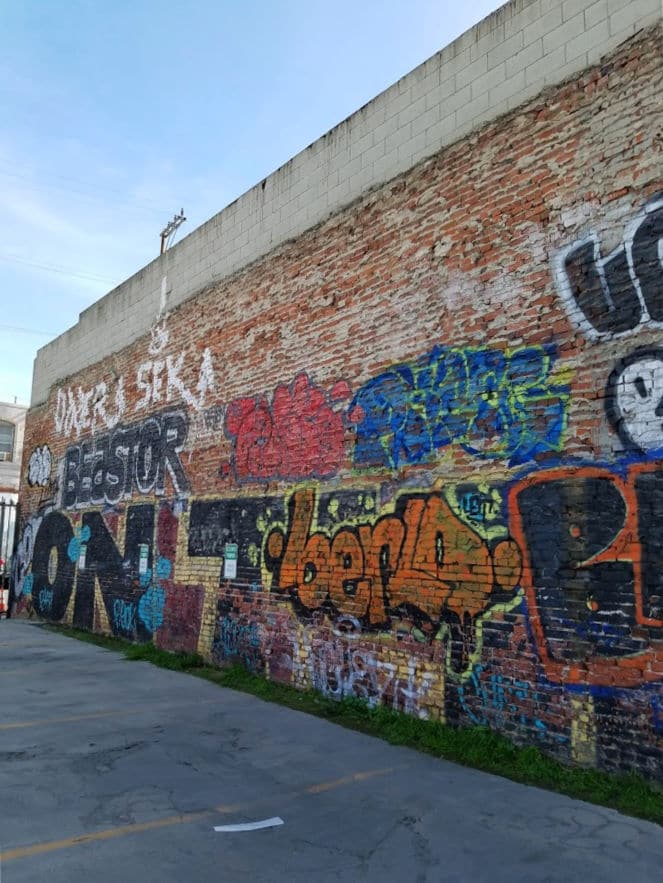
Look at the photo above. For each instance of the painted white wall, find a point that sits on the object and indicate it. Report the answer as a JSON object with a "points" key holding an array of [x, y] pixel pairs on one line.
{"points": [[10, 470]]}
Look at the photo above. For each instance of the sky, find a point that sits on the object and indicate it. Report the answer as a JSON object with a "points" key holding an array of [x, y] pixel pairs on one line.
{"points": [[116, 116]]}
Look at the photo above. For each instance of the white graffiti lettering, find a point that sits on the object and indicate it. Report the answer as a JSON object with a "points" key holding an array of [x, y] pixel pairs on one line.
{"points": [[150, 381], [86, 409]]}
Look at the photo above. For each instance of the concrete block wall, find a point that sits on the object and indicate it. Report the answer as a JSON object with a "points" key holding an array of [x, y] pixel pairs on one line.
{"points": [[413, 454], [506, 59]]}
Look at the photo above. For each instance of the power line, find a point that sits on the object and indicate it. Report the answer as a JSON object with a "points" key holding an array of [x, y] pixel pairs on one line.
{"points": [[20, 330], [37, 187], [64, 271]]}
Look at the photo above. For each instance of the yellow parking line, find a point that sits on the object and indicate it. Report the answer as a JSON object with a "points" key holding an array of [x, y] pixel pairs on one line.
{"points": [[345, 780], [47, 721], [182, 819], [53, 845], [18, 725]]}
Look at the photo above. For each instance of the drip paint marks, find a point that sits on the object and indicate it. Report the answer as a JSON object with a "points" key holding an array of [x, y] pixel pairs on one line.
{"points": [[419, 562]]}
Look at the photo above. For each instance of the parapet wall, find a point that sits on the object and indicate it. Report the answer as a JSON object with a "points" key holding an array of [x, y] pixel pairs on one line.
{"points": [[506, 59], [414, 454]]}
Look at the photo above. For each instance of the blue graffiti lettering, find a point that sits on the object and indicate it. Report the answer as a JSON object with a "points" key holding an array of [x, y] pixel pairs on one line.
{"points": [[477, 506], [124, 615], [498, 701], [493, 404], [45, 600], [238, 640]]}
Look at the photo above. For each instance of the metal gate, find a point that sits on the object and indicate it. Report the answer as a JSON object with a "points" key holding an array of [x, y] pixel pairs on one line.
{"points": [[8, 510]]}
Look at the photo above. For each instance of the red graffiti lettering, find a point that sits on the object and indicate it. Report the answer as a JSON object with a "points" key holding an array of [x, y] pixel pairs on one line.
{"points": [[300, 435]]}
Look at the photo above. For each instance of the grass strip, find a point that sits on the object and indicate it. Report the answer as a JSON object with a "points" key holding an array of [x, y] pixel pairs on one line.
{"points": [[477, 747]]}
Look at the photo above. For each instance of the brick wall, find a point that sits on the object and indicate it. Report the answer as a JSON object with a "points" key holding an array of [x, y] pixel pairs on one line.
{"points": [[431, 427]]}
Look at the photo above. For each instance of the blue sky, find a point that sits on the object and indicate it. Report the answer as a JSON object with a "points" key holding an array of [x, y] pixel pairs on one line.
{"points": [[115, 116]]}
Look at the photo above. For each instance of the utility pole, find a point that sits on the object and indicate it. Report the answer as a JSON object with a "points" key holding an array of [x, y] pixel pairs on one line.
{"points": [[169, 230]]}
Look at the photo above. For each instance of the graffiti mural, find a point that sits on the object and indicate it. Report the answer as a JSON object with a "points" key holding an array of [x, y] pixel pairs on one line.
{"points": [[592, 571], [493, 404], [429, 565], [299, 434], [159, 380], [481, 505], [634, 400], [418, 562], [135, 458], [406, 457], [612, 295], [237, 637], [39, 467], [339, 667], [22, 577], [243, 520], [87, 409], [70, 561], [489, 698]]}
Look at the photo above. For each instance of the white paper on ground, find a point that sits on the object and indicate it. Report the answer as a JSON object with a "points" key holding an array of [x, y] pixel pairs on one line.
{"points": [[251, 826]]}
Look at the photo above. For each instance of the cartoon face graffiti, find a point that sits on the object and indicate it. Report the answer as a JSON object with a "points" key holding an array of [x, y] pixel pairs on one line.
{"points": [[634, 400]]}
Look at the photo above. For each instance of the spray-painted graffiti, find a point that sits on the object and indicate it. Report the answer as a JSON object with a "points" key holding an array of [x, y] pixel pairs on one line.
{"points": [[79, 556], [299, 434], [339, 668], [615, 294], [183, 608], [88, 557], [39, 466], [420, 562], [634, 400], [22, 562], [88, 409], [479, 505], [236, 640], [500, 701], [110, 467], [493, 404], [243, 520], [159, 380], [45, 601], [103, 405], [206, 424], [151, 604], [587, 540], [593, 571], [124, 616]]}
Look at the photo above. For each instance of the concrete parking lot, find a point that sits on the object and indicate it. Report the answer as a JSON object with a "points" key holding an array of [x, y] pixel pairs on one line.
{"points": [[117, 771]]}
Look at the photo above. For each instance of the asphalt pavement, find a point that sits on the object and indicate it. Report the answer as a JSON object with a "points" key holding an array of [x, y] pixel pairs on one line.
{"points": [[119, 772]]}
